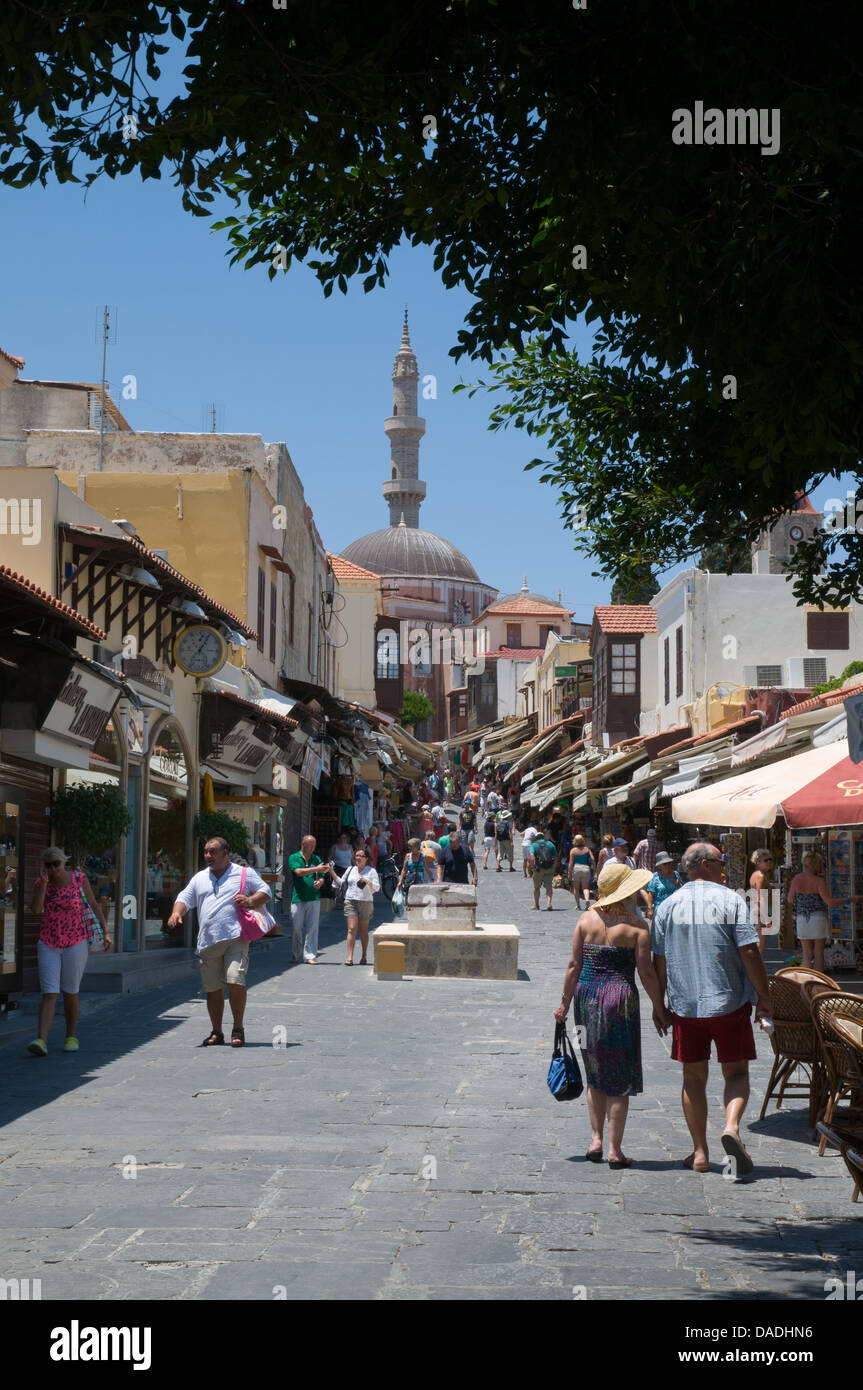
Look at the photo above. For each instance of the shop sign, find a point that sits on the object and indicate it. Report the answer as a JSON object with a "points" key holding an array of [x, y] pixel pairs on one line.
{"points": [[146, 678], [854, 715], [80, 711], [241, 749], [579, 779]]}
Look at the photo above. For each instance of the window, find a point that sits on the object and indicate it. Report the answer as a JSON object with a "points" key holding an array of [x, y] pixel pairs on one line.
{"points": [[488, 688], [814, 671], [768, 676], [387, 655], [311, 637], [419, 651], [667, 665], [513, 635], [624, 665], [274, 597], [827, 631], [678, 660], [544, 630], [262, 607]]}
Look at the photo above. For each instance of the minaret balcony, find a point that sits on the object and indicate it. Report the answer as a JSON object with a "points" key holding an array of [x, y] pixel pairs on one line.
{"points": [[404, 487], [409, 426]]}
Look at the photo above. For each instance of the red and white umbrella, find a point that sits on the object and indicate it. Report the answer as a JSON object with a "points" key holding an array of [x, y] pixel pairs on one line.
{"points": [[821, 787]]}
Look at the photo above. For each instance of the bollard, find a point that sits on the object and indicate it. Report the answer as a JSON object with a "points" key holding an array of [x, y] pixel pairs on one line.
{"points": [[389, 960]]}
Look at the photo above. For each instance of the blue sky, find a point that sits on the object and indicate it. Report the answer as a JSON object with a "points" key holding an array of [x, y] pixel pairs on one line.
{"points": [[282, 362]]}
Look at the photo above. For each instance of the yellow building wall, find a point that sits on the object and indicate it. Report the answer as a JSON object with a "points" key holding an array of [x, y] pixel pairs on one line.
{"points": [[208, 543]]}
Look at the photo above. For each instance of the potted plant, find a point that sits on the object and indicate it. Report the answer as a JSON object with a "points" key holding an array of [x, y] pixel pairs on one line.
{"points": [[89, 818], [211, 823]]}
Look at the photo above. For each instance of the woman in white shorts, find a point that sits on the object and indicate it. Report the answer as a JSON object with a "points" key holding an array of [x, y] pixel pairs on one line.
{"points": [[63, 949], [363, 883], [809, 899]]}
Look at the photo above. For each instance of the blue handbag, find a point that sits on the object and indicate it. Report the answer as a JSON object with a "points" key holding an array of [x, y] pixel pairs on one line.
{"points": [[564, 1073]]}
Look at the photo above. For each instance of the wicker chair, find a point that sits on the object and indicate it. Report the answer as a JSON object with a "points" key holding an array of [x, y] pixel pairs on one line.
{"points": [[802, 975], [795, 1045], [845, 1140], [841, 1083]]}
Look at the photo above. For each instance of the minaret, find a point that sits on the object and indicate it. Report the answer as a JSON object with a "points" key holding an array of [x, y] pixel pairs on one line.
{"points": [[403, 490]]}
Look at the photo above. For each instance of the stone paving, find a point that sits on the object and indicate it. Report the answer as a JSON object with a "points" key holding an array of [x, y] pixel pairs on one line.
{"points": [[398, 1142]]}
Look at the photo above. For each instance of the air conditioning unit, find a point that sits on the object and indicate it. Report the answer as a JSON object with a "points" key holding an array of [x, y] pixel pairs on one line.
{"points": [[804, 672], [765, 677]]}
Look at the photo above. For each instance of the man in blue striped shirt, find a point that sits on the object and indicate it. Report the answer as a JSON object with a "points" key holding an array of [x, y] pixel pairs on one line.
{"points": [[706, 955]]}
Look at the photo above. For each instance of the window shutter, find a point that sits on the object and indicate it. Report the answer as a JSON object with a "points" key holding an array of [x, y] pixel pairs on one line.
{"points": [[827, 631]]}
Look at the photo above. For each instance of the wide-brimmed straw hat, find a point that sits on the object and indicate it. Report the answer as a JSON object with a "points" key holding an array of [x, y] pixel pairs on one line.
{"points": [[618, 882]]}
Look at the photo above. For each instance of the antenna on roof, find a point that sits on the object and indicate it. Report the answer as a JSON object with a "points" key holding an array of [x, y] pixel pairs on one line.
{"points": [[213, 418], [108, 333]]}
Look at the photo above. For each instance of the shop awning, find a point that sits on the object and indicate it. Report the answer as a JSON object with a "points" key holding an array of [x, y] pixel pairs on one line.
{"points": [[821, 787], [763, 742]]}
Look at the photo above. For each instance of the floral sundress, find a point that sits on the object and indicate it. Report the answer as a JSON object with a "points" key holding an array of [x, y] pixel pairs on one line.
{"points": [[63, 917]]}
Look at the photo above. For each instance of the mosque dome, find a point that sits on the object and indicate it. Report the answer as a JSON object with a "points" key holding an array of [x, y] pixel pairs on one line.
{"points": [[408, 552]]}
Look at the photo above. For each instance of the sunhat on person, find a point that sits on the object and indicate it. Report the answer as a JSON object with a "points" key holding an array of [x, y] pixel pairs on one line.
{"points": [[663, 858], [618, 882]]}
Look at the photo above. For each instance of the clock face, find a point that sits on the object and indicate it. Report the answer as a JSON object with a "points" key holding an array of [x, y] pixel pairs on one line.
{"points": [[200, 650], [797, 533]]}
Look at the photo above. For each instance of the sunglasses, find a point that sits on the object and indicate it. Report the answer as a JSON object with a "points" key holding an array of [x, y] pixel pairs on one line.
{"points": [[53, 863]]}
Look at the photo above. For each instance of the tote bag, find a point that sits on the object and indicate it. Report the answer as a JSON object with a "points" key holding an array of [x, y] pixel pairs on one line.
{"points": [[255, 922]]}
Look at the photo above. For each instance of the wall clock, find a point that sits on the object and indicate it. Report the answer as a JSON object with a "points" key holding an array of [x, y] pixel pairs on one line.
{"points": [[200, 650]]}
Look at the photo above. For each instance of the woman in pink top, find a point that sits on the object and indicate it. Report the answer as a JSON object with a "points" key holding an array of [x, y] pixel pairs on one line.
{"points": [[62, 950]]}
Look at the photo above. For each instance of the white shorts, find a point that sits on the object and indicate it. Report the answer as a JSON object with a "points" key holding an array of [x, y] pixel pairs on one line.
{"points": [[61, 969], [488, 841], [812, 926]]}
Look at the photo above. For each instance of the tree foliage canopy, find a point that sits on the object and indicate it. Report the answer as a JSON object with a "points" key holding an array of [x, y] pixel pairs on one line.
{"points": [[721, 282], [415, 708]]}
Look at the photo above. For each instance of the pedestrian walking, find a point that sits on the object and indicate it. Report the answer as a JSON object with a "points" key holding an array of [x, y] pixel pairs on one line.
{"points": [[223, 952], [580, 870], [426, 821], [664, 882], [62, 949], [620, 852], [438, 819], [809, 901], [416, 867], [467, 823], [362, 884], [706, 954], [610, 943], [457, 862], [528, 835], [488, 839], [605, 853], [309, 877], [645, 852], [503, 837], [543, 857], [341, 854]]}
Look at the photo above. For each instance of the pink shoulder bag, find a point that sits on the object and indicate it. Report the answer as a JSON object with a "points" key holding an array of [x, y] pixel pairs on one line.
{"points": [[255, 922]]}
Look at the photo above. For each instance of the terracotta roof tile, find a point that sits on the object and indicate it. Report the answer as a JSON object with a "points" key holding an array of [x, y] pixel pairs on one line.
{"points": [[16, 361], [528, 605], [517, 653], [70, 614], [824, 700], [719, 731], [626, 617], [346, 569]]}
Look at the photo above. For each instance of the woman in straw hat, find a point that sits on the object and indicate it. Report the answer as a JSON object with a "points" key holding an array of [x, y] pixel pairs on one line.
{"points": [[611, 941]]}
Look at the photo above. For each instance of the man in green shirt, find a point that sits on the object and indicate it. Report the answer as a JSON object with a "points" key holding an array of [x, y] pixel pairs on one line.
{"points": [[306, 899]]}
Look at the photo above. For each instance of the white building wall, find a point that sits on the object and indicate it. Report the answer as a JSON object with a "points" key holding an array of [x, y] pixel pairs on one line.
{"points": [[733, 623]]}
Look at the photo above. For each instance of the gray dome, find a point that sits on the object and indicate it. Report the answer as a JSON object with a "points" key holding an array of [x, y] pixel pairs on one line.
{"points": [[530, 596], [406, 551]]}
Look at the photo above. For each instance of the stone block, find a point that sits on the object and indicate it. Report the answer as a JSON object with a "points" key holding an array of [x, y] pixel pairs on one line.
{"points": [[488, 951], [442, 906]]}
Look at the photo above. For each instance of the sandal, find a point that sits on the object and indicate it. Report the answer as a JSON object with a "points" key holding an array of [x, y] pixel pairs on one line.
{"points": [[214, 1039], [238, 1037], [348, 962]]}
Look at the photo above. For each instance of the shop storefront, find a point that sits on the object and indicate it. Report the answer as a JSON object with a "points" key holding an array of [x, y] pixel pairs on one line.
{"points": [[169, 857]]}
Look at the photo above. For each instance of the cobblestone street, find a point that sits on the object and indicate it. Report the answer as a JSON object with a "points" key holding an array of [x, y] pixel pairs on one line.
{"points": [[402, 1144]]}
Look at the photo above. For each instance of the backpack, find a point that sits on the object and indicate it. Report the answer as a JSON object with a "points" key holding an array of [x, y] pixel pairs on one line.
{"points": [[504, 829], [545, 853]]}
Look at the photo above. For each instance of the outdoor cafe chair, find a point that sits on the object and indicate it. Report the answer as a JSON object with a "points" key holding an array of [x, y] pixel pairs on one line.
{"points": [[841, 1082], [804, 975], [795, 1046], [845, 1141]]}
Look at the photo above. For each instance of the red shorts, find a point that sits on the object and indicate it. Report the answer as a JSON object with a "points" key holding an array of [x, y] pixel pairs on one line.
{"points": [[732, 1034]]}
